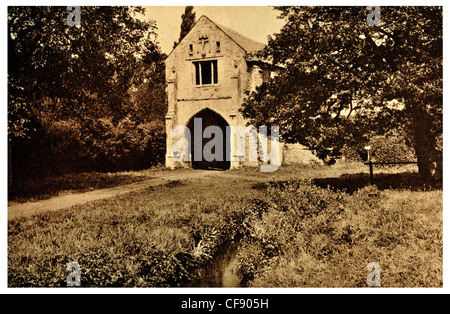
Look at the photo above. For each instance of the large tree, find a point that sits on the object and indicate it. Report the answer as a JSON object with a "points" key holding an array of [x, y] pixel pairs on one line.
{"points": [[87, 67], [344, 79], [77, 76], [187, 22]]}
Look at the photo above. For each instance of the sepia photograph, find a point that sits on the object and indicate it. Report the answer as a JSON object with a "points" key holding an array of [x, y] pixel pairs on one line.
{"points": [[241, 147]]}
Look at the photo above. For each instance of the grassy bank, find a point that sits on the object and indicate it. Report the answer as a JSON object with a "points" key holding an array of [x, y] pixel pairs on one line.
{"points": [[297, 234], [148, 238], [315, 237]]}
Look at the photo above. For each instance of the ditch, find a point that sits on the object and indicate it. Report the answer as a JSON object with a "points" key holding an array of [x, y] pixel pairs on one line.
{"points": [[221, 271]]}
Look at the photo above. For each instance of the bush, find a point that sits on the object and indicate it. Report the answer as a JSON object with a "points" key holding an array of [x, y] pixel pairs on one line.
{"points": [[123, 145], [105, 145], [390, 147]]}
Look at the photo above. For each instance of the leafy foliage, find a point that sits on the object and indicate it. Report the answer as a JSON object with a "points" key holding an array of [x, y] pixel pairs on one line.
{"points": [[343, 79], [393, 146], [89, 68], [87, 97]]}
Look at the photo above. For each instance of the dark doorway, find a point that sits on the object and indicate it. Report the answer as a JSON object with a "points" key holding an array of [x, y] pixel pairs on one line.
{"points": [[209, 118]]}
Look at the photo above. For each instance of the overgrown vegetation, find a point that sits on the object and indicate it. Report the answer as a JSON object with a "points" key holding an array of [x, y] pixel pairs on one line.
{"points": [[295, 233], [141, 239], [83, 98], [314, 237], [393, 146]]}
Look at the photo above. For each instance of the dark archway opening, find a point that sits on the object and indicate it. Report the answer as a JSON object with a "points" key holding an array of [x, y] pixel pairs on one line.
{"points": [[209, 118]]}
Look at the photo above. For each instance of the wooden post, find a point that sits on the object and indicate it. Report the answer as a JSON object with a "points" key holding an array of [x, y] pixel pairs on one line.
{"points": [[367, 148]]}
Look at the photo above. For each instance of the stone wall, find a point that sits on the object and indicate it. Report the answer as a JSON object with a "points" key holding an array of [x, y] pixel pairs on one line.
{"points": [[298, 154]]}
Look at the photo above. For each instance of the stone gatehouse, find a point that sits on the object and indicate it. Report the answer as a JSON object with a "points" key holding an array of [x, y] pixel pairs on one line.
{"points": [[208, 75]]}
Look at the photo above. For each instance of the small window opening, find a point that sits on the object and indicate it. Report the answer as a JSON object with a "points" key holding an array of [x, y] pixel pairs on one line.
{"points": [[206, 72]]}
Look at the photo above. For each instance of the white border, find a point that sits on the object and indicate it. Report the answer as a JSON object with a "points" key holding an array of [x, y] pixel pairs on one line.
{"points": [[194, 291]]}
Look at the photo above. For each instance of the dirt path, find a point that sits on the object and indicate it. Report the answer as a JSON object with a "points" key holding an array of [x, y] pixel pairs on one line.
{"points": [[16, 210]]}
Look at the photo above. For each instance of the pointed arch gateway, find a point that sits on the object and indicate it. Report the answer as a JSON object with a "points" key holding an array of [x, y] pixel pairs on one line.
{"points": [[209, 141]]}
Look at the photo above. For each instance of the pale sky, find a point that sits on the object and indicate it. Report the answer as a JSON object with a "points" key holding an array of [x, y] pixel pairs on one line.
{"points": [[255, 22]]}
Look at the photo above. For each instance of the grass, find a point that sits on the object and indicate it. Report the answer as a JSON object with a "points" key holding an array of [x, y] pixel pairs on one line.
{"points": [[315, 237], [32, 189], [147, 238], [296, 233]]}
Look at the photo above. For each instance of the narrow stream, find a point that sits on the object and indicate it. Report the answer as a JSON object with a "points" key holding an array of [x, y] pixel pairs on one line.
{"points": [[222, 270]]}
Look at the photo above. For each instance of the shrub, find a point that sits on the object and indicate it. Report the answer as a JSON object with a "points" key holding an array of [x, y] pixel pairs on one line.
{"points": [[390, 147], [124, 144], [102, 144]]}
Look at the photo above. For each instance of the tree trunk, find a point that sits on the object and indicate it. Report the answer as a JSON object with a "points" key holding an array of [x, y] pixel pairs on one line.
{"points": [[429, 157], [430, 167], [10, 166]]}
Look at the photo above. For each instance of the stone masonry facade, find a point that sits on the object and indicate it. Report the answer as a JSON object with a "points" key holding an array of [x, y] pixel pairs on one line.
{"points": [[211, 69]]}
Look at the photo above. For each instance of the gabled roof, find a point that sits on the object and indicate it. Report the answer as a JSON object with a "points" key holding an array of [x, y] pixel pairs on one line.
{"points": [[247, 44]]}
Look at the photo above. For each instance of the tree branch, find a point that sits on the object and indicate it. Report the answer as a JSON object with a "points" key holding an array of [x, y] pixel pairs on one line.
{"points": [[370, 40], [387, 33]]}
